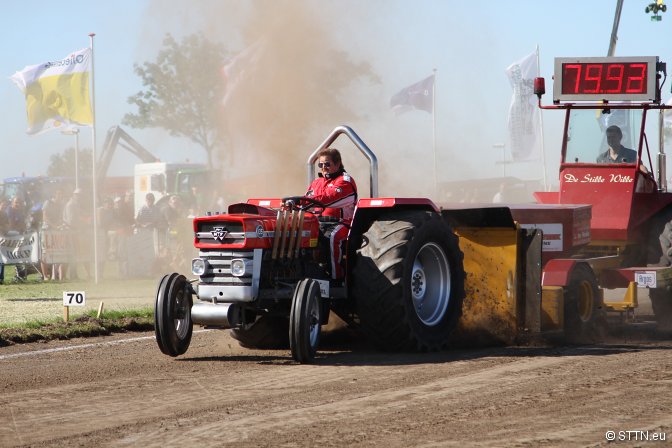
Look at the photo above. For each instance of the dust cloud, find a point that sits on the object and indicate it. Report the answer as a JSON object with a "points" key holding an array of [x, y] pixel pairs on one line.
{"points": [[295, 70], [299, 68]]}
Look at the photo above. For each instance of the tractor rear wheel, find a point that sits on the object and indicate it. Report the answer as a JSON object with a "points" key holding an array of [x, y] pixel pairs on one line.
{"points": [[665, 239], [661, 255], [172, 315], [661, 302], [267, 332], [408, 281], [305, 321], [585, 317]]}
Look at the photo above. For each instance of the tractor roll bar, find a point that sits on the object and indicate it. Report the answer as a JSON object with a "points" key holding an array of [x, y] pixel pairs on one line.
{"points": [[373, 161]]}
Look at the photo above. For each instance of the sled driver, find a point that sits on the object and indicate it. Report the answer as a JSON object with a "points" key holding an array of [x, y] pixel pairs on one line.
{"points": [[616, 152], [338, 192]]}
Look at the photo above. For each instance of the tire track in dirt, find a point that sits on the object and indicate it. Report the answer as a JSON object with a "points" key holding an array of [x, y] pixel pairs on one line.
{"points": [[503, 383], [58, 411], [216, 396]]}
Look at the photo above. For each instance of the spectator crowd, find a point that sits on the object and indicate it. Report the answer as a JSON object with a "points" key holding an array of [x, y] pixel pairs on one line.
{"points": [[117, 225]]}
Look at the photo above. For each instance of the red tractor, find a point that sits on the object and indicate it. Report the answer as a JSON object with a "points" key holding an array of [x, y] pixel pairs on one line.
{"points": [[629, 242], [260, 273]]}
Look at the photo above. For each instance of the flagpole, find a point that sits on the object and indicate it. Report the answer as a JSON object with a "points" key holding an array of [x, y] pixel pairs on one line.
{"points": [[93, 171], [541, 128], [436, 182]]}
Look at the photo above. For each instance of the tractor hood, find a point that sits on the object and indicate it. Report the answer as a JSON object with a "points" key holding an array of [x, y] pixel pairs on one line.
{"points": [[246, 226]]}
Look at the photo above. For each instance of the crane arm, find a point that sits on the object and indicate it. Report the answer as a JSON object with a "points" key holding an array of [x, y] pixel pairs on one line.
{"points": [[116, 136]]}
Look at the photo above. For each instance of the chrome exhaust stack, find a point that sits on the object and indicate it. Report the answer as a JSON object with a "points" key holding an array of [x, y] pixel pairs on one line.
{"points": [[279, 229], [286, 232], [299, 235], [223, 315], [293, 233]]}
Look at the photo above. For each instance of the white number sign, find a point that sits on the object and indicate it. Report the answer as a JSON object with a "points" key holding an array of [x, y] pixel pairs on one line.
{"points": [[74, 298]]}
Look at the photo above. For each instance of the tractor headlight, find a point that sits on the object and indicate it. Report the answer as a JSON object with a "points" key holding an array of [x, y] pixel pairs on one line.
{"points": [[241, 267], [198, 266]]}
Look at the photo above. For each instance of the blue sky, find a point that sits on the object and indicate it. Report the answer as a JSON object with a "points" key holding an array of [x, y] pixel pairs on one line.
{"points": [[469, 43]]}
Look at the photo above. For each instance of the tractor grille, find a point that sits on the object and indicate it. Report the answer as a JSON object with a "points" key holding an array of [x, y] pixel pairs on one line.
{"points": [[210, 232], [218, 267]]}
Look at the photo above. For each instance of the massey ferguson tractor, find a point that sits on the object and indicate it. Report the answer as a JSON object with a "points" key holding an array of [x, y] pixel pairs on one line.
{"points": [[260, 272], [419, 276]]}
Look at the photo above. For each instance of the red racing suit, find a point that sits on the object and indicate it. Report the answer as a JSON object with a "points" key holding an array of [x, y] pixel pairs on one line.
{"points": [[339, 194]]}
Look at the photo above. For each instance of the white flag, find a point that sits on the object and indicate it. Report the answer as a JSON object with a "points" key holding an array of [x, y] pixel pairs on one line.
{"points": [[525, 142], [57, 92]]}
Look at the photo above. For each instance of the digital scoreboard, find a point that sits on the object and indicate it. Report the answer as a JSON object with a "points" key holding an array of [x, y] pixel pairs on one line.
{"points": [[610, 78]]}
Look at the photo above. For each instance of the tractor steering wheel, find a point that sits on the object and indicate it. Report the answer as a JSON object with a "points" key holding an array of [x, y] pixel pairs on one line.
{"points": [[303, 203]]}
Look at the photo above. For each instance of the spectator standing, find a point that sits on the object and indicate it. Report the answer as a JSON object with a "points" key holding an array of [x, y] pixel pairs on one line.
{"points": [[499, 197], [52, 220], [149, 219], [148, 215], [195, 201], [174, 218], [17, 225], [4, 228], [73, 221], [106, 218], [124, 222], [172, 212]]}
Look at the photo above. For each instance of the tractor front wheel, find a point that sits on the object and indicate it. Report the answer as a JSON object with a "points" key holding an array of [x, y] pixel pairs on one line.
{"points": [[305, 321], [172, 315]]}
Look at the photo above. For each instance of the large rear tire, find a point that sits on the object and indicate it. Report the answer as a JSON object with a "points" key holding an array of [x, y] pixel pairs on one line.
{"points": [[305, 321], [266, 333], [172, 315], [408, 281], [661, 302], [585, 318], [665, 240], [661, 255]]}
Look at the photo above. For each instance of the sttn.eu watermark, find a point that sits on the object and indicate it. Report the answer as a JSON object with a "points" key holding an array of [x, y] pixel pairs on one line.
{"points": [[637, 436]]}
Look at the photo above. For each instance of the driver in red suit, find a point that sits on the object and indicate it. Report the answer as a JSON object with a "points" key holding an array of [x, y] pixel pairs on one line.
{"points": [[338, 192]]}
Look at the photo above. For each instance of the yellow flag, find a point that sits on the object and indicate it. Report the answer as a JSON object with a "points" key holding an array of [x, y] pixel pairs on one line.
{"points": [[57, 92]]}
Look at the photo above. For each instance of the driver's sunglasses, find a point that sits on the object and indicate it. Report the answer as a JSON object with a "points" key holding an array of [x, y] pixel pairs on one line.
{"points": [[324, 164]]}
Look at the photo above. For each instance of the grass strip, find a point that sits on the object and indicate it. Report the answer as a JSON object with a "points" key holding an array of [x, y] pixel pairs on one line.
{"points": [[87, 325]]}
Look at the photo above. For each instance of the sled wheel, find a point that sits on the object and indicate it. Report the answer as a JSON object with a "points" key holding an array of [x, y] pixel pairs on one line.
{"points": [[304, 321], [584, 313], [172, 315]]}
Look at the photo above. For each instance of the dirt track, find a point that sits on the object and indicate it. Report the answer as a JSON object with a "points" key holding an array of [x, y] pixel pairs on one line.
{"points": [[129, 394]]}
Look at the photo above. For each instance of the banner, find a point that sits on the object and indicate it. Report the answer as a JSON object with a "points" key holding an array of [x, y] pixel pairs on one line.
{"points": [[524, 123], [416, 96], [57, 92], [57, 246], [19, 249], [239, 68]]}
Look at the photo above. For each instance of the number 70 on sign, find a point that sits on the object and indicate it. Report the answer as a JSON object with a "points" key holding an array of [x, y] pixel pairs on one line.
{"points": [[74, 298]]}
